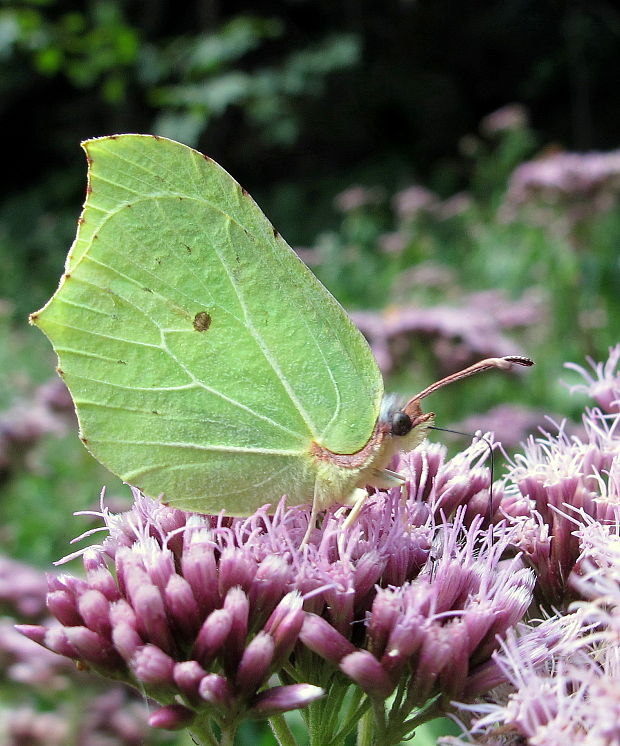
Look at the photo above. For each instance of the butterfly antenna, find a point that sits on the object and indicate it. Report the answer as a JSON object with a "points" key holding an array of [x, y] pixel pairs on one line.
{"points": [[413, 410], [489, 363], [489, 445]]}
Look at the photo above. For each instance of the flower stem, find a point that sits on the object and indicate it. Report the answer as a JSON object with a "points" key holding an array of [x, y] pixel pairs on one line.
{"points": [[228, 736], [349, 722], [201, 733], [366, 729], [281, 731]]}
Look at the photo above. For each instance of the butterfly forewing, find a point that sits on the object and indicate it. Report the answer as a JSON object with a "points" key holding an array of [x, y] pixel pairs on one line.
{"points": [[203, 356]]}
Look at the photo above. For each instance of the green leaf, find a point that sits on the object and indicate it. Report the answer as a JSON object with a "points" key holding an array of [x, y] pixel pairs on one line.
{"points": [[203, 356]]}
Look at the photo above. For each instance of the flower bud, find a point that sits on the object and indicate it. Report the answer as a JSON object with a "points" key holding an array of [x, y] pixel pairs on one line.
{"points": [[363, 668], [268, 586], [318, 635], [212, 635], [284, 698], [237, 604], [216, 690], [187, 676], [34, 632], [92, 648], [152, 666], [152, 622], [102, 580], [254, 664], [200, 570], [94, 609], [182, 606], [171, 717], [63, 606], [237, 568]]}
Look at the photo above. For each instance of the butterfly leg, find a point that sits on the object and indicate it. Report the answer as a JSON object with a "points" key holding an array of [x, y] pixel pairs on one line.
{"points": [[314, 513], [388, 479], [356, 499], [385, 479]]}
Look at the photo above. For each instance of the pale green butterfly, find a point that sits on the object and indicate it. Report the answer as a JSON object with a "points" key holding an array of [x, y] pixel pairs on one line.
{"points": [[207, 364]]}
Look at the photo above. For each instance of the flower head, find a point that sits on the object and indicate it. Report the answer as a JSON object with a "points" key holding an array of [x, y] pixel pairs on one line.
{"points": [[437, 630], [603, 384], [200, 611]]}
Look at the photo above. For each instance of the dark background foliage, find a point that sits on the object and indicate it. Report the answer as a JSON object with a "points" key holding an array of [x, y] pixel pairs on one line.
{"points": [[295, 98]]}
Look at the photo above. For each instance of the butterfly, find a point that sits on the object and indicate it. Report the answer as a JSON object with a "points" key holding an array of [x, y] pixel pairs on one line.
{"points": [[207, 364]]}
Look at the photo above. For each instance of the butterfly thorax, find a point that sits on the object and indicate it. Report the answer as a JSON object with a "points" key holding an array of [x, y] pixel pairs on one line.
{"points": [[395, 430]]}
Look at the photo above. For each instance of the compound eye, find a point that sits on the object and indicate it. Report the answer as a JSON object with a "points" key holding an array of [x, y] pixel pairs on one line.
{"points": [[401, 423]]}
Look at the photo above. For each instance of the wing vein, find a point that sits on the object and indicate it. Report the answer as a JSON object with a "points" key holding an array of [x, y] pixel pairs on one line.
{"points": [[197, 447], [264, 347]]}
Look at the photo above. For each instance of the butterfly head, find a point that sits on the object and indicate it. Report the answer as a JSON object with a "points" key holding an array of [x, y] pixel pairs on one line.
{"points": [[406, 425]]}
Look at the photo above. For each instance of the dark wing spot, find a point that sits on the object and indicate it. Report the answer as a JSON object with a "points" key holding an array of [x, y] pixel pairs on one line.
{"points": [[202, 321]]}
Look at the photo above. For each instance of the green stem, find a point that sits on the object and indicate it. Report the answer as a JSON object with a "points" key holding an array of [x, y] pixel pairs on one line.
{"points": [[353, 703], [332, 716], [398, 727], [315, 716], [423, 716], [228, 735], [382, 733], [366, 729], [281, 731], [201, 733], [352, 718]]}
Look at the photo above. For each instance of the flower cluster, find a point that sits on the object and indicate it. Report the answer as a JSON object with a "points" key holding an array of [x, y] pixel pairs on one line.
{"points": [[356, 197], [22, 426], [575, 691], [565, 495], [446, 620], [184, 614], [457, 338], [558, 481], [577, 185], [200, 611], [85, 711]]}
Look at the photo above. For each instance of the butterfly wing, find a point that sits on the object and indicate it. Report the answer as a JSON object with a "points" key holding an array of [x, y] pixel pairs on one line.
{"points": [[203, 356]]}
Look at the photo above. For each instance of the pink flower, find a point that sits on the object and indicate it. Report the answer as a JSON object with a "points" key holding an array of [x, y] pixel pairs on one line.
{"points": [[604, 384], [506, 118]]}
